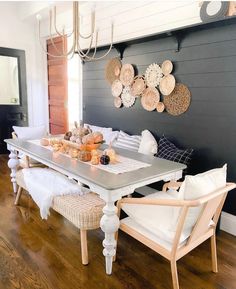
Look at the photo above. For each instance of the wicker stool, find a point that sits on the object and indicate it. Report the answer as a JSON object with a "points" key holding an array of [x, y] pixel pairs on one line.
{"points": [[84, 211]]}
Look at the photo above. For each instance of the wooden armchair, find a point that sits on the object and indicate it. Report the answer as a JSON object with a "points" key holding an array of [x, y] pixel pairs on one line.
{"points": [[203, 229]]}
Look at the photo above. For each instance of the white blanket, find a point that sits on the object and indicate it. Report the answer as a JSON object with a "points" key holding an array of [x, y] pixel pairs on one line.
{"points": [[43, 184]]}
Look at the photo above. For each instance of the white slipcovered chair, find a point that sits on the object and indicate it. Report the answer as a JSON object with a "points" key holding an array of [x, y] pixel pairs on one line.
{"points": [[173, 224], [28, 133]]}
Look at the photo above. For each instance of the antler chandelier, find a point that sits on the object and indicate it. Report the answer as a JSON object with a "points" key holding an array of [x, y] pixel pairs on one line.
{"points": [[88, 54]]}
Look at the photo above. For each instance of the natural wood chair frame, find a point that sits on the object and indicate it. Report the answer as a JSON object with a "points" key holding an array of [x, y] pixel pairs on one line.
{"points": [[212, 205]]}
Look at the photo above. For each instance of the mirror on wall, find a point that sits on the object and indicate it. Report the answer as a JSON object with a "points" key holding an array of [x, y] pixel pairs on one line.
{"points": [[9, 81]]}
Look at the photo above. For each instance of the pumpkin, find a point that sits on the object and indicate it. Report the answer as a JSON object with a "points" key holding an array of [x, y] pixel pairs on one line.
{"points": [[44, 142], [84, 156], [98, 137]]}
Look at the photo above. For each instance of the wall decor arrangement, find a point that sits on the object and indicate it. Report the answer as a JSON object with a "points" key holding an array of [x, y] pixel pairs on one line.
{"points": [[157, 88]]}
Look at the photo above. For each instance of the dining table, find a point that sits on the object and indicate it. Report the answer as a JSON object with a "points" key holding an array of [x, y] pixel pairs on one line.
{"points": [[109, 185]]}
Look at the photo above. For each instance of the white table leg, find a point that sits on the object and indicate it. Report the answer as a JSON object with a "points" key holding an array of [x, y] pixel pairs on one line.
{"points": [[13, 164], [109, 224]]}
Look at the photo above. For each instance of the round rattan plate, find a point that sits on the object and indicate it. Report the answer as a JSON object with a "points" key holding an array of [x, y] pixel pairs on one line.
{"points": [[153, 75], [178, 101], [150, 98], [117, 102], [160, 106], [116, 88], [112, 70], [138, 86], [167, 84], [127, 74], [127, 98], [167, 67]]}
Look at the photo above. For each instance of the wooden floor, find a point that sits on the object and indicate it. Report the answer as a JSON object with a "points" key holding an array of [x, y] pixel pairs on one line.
{"points": [[36, 254]]}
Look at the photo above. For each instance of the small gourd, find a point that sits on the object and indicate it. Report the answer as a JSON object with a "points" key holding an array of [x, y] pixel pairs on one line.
{"points": [[74, 153], [111, 153], [104, 159]]}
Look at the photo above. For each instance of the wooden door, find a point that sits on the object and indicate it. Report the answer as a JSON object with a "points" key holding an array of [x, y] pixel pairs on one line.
{"points": [[57, 88]]}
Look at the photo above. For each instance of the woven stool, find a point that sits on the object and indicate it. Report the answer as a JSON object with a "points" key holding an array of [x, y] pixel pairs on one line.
{"points": [[84, 211]]}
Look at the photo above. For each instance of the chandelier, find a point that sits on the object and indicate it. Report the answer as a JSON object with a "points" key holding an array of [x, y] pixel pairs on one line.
{"points": [[88, 54]]}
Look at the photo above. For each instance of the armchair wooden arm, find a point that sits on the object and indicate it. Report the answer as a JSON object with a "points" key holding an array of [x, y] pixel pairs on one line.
{"points": [[177, 203]]}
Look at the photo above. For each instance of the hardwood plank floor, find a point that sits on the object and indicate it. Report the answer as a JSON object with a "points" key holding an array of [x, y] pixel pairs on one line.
{"points": [[37, 254]]}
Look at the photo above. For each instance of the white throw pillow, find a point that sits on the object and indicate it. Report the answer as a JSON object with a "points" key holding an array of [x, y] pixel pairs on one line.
{"points": [[129, 142], [198, 186], [148, 144], [30, 133], [110, 136]]}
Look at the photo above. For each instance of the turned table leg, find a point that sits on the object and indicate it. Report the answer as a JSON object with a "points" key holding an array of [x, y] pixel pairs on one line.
{"points": [[13, 164], [109, 225]]}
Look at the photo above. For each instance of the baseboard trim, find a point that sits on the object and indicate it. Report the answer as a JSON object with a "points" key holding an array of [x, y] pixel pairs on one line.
{"points": [[228, 223]]}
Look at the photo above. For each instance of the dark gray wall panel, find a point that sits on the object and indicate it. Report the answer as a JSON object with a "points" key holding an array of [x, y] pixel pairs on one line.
{"points": [[206, 63]]}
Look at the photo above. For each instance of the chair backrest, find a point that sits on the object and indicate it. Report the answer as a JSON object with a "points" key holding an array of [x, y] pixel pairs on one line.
{"points": [[211, 205]]}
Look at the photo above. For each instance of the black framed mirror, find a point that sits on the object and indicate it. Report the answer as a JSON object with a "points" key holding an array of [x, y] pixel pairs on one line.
{"points": [[13, 92], [9, 80]]}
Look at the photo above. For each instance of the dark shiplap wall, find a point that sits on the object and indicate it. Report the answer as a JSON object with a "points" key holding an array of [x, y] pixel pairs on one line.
{"points": [[206, 63]]}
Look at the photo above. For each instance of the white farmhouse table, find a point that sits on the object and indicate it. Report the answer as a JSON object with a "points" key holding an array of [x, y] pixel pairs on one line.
{"points": [[110, 187]]}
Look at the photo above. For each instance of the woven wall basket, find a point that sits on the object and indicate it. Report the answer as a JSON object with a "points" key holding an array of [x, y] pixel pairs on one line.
{"points": [[153, 75], [150, 98], [117, 102], [112, 70], [167, 67], [178, 101], [160, 107], [167, 84], [116, 88], [138, 85], [127, 74]]}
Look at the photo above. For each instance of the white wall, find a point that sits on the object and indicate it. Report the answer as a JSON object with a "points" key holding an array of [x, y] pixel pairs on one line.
{"points": [[132, 19], [22, 35]]}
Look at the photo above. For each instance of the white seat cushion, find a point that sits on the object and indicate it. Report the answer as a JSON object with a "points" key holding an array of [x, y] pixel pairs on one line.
{"points": [[157, 219], [160, 237]]}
